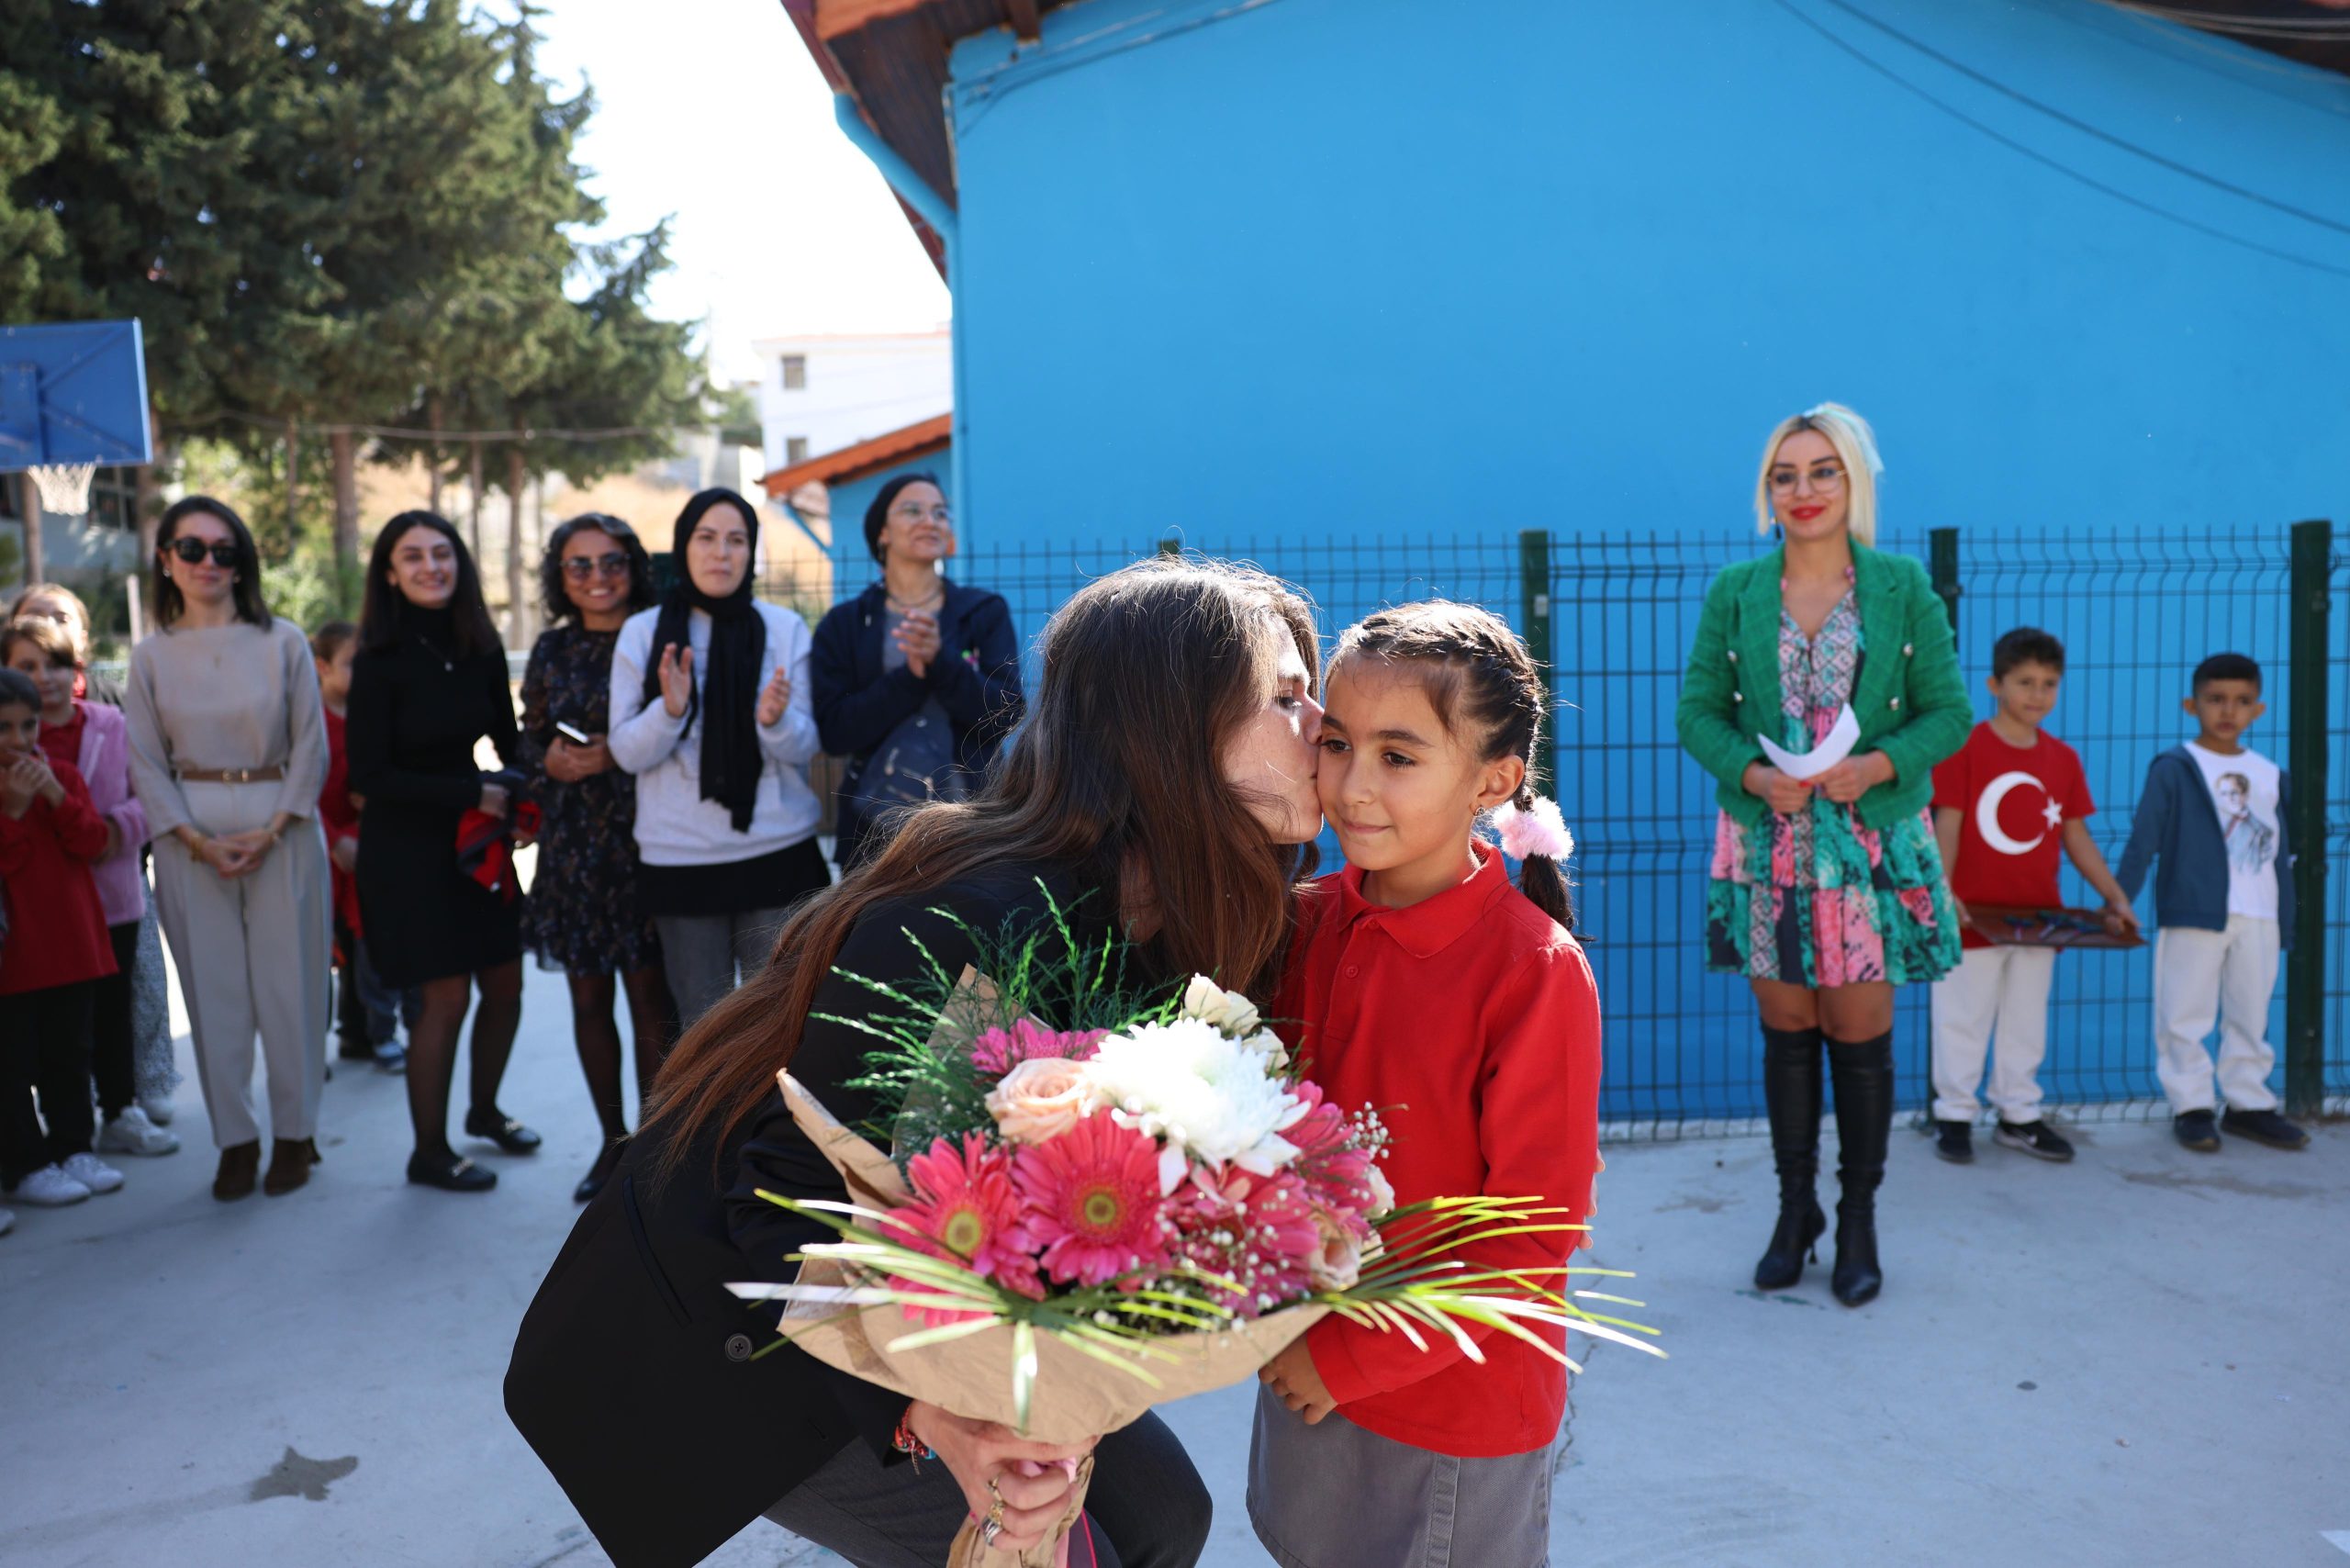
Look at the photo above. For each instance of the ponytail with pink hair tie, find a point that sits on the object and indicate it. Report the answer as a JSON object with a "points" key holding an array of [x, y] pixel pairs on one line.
{"points": [[1535, 829]]}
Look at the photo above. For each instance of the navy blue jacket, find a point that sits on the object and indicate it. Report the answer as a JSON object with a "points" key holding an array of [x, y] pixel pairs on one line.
{"points": [[2178, 822], [976, 677]]}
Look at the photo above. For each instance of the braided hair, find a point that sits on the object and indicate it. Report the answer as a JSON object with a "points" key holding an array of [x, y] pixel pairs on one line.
{"points": [[1488, 690]]}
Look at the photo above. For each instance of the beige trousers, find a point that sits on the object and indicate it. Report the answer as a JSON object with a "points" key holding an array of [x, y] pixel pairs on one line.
{"points": [[253, 956]]}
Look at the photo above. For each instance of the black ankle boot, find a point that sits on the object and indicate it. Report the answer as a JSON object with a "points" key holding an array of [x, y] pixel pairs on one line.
{"points": [[1791, 1091], [1864, 1073]]}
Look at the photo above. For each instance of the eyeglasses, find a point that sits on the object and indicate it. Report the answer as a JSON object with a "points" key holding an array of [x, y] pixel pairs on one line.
{"points": [[915, 511], [1824, 476], [194, 551], [579, 568]]}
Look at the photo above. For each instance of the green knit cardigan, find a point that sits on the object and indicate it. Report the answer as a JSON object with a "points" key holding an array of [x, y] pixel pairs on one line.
{"points": [[1908, 694]]}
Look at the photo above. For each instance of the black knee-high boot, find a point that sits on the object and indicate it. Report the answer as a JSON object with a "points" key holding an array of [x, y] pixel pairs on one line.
{"points": [[1864, 1073], [1791, 1091]]}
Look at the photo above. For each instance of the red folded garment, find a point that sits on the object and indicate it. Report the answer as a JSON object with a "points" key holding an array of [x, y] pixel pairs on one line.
{"points": [[485, 845]]}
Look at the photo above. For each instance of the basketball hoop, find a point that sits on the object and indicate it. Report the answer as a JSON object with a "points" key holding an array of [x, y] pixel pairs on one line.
{"points": [[64, 486]]}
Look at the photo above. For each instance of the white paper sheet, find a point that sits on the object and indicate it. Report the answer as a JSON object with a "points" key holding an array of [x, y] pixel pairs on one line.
{"points": [[1833, 749]]}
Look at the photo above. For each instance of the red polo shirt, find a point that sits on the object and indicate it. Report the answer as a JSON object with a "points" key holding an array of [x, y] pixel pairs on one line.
{"points": [[1470, 1022], [57, 932]]}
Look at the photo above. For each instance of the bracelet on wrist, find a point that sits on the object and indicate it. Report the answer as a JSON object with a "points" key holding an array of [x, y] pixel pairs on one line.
{"points": [[905, 1442]]}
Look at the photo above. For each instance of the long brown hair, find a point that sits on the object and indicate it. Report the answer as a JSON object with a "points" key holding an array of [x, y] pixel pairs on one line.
{"points": [[1147, 672]]}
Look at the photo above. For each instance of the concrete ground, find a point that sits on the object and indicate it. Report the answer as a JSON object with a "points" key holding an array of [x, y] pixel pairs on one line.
{"points": [[2135, 1360]]}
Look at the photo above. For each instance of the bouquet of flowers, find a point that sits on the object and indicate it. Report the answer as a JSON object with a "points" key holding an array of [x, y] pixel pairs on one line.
{"points": [[1063, 1223]]}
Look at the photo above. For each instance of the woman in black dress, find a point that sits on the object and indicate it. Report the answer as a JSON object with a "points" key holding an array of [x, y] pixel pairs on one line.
{"points": [[430, 682], [584, 916]]}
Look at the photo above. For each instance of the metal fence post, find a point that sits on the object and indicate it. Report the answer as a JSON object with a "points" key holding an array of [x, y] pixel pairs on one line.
{"points": [[1941, 549], [1534, 623], [2305, 965]]}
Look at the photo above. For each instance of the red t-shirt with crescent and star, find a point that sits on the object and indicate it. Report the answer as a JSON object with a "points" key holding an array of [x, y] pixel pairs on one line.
{"points": [[2013, 802]]}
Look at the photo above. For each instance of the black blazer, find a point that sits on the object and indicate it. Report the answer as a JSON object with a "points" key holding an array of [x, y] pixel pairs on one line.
{"points": [[633, 1376], [976, 678]]}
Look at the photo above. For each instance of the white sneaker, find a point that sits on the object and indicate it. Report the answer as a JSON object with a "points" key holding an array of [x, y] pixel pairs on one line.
{"points": [[157, 1108], [50, 1188], [133, 1132], [93, 1172]]}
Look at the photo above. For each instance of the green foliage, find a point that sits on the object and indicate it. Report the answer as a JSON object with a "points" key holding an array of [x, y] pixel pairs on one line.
{"points": [[330, 212], [919, 1072]]}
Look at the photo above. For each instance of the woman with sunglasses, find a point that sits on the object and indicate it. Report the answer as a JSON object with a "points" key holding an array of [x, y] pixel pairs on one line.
{"points": [[917, 678], [228, 751], [584, 916], [710, 711], [429, 684], [1827, 890]]}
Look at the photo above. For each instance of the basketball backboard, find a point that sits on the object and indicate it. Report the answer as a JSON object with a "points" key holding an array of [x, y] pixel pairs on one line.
{"points": [[75, 392]]}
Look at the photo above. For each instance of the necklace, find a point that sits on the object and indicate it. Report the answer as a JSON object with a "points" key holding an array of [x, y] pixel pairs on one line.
{"points": [[447, 662], [938, 596]]}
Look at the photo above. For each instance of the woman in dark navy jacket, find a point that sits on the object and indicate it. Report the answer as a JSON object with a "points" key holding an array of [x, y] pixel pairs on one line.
{"points": [[917, 680]]}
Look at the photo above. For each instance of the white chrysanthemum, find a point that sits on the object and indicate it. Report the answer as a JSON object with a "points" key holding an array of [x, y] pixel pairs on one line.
{"points": [[1228, 1011], [1203, 1096], [1268, 1045]]}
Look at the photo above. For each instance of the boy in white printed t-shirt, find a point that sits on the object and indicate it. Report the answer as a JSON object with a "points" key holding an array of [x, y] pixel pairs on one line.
{"points": [[2213, 812]]}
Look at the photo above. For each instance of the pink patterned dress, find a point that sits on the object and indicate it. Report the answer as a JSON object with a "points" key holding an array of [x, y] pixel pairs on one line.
{"points": [[1816, 898]]}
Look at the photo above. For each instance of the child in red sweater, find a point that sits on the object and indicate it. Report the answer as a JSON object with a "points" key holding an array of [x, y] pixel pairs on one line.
{"points": [[367, 1012], [1459, 1006], [55, 951]]}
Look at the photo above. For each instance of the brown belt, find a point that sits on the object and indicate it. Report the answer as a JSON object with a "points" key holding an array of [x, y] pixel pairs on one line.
{"points": [[230, 775]]}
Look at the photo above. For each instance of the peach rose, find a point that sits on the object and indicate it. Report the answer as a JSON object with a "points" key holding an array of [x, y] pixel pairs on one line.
{"points": [[1338, 1263], [1382, 1195], [1039, 1099]]}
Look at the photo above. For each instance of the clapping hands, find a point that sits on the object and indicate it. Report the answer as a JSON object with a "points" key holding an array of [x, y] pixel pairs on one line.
{"points": [[918, 638], [677, 675], [773, 698], [21, 782]]}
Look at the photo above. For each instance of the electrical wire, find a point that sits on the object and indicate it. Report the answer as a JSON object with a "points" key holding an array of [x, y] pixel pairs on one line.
{"points": [[2084, 127], [2062, 168]]}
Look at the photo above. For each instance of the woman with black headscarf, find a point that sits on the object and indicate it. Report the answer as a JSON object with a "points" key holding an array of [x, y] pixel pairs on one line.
{"points": [[710, 711]]}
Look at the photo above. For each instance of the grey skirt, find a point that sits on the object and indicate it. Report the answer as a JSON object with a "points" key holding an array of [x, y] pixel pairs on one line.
{"points": [[1334, 1496]]}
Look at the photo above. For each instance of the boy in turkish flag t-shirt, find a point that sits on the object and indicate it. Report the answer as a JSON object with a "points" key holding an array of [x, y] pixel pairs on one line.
{"points": [[2003, 808]]}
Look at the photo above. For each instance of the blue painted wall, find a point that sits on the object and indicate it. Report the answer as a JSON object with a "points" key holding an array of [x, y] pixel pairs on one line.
{"points": [[1369, 270], [1377, 266]]}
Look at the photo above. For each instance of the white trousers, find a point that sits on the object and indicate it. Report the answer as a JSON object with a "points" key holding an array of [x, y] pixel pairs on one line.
{"points": [[2202, 978], [253, 956], [1994, 1005]]}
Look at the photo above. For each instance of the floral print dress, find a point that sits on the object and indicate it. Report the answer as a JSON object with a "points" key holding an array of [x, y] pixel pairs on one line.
{"points": [[1817, 899], [582, 915]]}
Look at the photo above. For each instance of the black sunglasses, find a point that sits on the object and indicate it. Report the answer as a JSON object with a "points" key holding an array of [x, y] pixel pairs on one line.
{"points": [[193, 550], [581, 567]]}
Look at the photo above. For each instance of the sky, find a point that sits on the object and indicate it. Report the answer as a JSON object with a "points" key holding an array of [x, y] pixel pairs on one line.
{"points": [[711, 113]]}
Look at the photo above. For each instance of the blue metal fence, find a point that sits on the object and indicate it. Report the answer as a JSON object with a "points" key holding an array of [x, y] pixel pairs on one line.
{"points": [[2135, 612]]}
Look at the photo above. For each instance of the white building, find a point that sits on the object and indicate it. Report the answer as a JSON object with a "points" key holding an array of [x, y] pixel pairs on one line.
{"points": [[821, 392]]}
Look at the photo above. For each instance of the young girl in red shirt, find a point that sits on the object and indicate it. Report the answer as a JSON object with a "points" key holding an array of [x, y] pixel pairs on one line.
{"points": [[1428, 986], [55, 948]]}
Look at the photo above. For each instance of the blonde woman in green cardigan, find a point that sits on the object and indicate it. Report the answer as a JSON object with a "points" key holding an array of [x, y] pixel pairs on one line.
{"points": [[1826, 892]]}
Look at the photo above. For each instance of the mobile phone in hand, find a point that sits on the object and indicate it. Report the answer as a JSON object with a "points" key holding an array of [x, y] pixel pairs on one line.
{"points": [[572, 732]]}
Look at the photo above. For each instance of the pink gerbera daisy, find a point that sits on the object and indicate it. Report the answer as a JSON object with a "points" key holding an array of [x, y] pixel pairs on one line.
{"points": [[1257, 1231], [1331, 1161], [998, 1051], [1092, 1196], [965, 1208]]}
